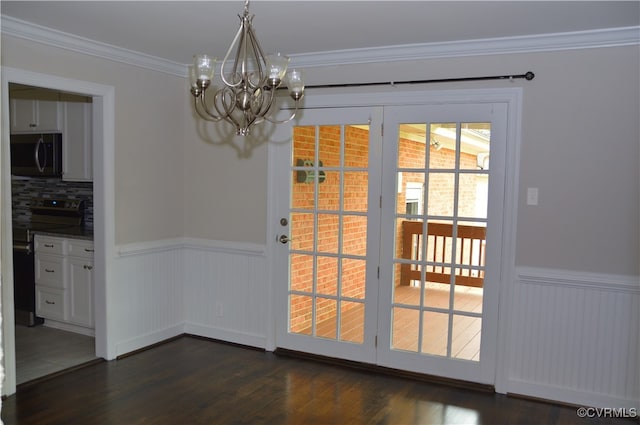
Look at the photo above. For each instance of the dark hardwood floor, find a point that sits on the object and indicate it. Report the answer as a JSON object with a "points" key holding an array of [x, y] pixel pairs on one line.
{"points": [[197, 381]]}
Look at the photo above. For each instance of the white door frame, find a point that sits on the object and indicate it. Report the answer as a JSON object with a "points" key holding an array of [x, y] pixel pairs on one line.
{"points": [[512, 98], [104, 223]]}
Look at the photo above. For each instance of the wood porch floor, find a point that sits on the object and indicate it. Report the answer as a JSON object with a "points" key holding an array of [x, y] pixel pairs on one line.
{"points": [[465, 337]]}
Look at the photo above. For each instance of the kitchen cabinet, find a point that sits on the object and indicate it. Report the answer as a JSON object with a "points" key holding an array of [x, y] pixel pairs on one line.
{"points": [[64, 282], [80, 279], [77, 164], [35, 111]]}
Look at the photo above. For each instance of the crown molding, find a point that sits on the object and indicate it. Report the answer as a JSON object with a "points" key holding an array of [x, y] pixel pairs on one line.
{"points": [[612, 37], [47, 36]]}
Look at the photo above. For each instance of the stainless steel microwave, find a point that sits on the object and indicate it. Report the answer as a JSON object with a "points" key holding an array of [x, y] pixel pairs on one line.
{"points": [[36, 154]]}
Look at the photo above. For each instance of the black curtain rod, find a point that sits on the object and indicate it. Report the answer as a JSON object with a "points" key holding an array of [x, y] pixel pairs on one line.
{"points": [[528, 76]]}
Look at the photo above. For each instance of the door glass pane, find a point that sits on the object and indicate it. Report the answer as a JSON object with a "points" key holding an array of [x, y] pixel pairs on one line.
{"points": [[328, 232], [301, 314], [302, 231], [442, 146], [301, 272], [329, 191], [405, 329], [327, 275], [354, 234], [435, 333], [356, 147], [329, 245], [326, 318], [411, 146], [352, 321], [474, 146], [354, 273], [466, 337], [410, 196], [304, 143], [472, 195], [303, 191], [440, 194], [356, 186]]}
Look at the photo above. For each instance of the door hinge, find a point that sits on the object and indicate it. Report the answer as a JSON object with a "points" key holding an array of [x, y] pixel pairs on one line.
{"points": [[375, 343], [382, 129], [381, 201], [378, 272]]}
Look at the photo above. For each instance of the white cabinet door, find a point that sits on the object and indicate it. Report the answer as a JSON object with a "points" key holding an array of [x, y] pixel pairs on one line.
{"points": [[77, 142], [50, 115], [23, 115], [81, 291], [36, 116]]}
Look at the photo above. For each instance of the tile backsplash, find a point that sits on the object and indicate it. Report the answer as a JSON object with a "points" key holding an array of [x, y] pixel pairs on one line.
{"points": [[25, 188]]}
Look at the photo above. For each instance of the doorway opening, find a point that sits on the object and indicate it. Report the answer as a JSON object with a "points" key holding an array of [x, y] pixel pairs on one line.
{"points": [[102, 126]]}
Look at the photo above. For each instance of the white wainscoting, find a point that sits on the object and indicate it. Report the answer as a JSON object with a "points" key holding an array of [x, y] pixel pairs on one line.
{"points": [[575, 337], [226, 291], [207, 288], [148, 295]]}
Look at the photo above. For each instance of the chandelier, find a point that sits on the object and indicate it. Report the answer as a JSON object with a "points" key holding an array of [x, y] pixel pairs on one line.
{"points": [[248, 94]]}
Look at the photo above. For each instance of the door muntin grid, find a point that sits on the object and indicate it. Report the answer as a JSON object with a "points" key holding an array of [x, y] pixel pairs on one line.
{"points": [[439, 264], [328, 221]]}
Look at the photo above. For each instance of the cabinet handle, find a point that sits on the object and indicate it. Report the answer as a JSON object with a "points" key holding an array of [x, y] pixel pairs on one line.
{"points": [[33, 125], [88, 250], [88, 267], [49, 245], [49, 302], [49, 271]]}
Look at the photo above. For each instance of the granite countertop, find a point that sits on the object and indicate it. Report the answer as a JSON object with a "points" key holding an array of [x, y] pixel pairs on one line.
{"points": [[74, 232]]}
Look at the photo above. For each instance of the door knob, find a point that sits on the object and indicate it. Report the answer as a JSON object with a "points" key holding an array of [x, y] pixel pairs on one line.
{"points": [[284, 239]]}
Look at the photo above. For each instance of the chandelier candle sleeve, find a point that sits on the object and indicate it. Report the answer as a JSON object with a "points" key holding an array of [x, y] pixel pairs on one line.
{"points": [[295, 84], [204, 67], [277, 66]]}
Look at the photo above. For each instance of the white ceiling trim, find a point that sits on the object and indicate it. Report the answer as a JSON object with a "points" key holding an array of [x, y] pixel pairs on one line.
{"points": [[538, 43], [50, 37], [525, 44]]}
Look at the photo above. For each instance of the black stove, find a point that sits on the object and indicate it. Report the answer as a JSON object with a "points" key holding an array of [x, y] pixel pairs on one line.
{"points": [[53, 215]]}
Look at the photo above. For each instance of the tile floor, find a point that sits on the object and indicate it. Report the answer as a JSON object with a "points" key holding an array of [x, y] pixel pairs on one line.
{"points": [[41, 350]]}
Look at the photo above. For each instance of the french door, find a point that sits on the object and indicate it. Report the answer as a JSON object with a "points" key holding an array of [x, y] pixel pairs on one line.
{"points": [[388, 242]]}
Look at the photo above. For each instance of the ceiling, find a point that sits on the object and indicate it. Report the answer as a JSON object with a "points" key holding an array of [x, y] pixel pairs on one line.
{"points": [[175, 30]]}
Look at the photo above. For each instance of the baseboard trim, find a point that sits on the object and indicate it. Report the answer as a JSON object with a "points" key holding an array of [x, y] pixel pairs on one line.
{"points": [[149, 339], [566, 396], [235, 337], [372, 368]]}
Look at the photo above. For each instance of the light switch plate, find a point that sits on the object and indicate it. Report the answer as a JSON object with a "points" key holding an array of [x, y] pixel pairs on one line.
{"points": [[532, 196]]}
